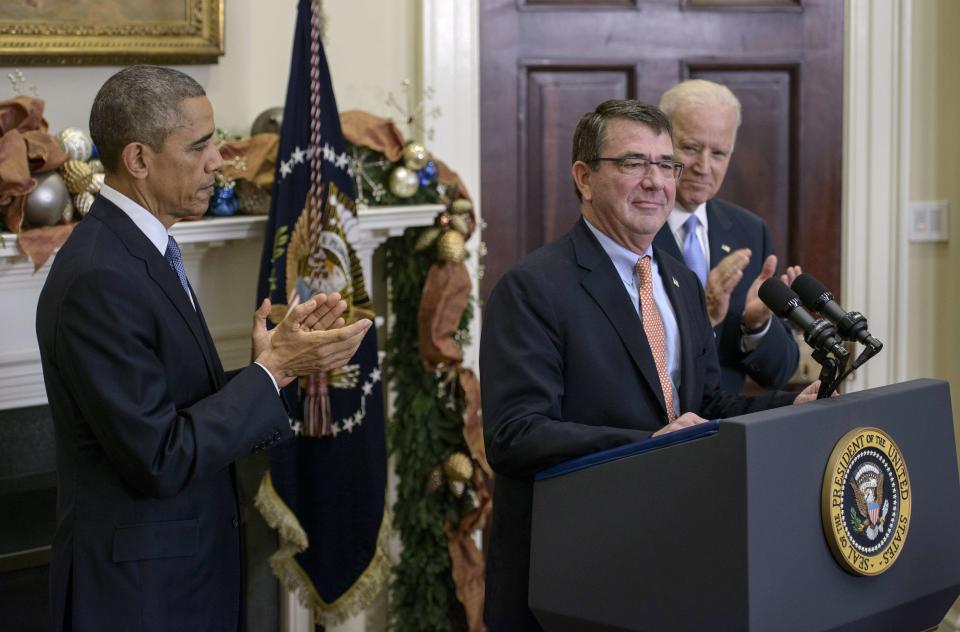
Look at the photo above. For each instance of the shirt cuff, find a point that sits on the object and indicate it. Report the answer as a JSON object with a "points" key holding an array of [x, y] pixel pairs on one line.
{"points": [[749, 342], [270, 375]]}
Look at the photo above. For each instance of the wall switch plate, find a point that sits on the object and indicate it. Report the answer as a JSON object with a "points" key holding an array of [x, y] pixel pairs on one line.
{"points": [[929, 221]]}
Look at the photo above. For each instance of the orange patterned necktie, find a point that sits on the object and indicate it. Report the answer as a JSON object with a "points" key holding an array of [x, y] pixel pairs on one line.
{"points": [[653, 327]]}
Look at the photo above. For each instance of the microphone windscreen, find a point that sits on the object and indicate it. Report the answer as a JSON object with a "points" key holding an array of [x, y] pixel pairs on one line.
{"points": [[810, 290], [777, 296]]}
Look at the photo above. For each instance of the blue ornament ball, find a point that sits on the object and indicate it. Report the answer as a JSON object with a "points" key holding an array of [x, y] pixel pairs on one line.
{"points": [[428, 174], [224, 202]]}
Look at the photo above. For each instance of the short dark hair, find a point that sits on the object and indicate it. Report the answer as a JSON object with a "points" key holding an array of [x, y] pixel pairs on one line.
{"points": [[590, 135], [138, 104]]}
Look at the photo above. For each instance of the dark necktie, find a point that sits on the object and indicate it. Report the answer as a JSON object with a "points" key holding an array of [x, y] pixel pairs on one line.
{"points": [[173, 257]]}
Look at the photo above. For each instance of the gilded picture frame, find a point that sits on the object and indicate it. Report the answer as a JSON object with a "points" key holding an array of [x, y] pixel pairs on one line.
{"points": [[110, 32]]}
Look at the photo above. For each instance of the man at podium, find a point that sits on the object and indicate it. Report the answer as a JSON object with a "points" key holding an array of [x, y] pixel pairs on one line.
{"points": [[595, 340]]}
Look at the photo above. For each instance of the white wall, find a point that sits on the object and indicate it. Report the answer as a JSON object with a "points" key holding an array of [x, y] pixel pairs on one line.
{"points": [[934, 277], [371, 47]]}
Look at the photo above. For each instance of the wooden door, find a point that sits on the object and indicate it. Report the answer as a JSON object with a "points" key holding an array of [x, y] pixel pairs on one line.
{"points": [[546, 62]]}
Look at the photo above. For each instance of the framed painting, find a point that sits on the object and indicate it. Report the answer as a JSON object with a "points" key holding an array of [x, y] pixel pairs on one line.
{"points": [[108, 32]]}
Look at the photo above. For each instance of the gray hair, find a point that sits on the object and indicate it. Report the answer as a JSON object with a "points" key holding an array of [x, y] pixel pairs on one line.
{"points": [[590, 135], [138, 104], [700, 93]]}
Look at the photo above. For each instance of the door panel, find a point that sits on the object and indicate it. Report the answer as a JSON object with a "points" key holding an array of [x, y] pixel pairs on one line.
{"points": [[544, 63], [556, 97]]}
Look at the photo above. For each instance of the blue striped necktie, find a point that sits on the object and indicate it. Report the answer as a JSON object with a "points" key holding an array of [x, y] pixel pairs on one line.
{"points": [[173, 257]]}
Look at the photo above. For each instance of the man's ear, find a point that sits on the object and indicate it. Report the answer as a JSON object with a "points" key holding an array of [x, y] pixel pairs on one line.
{"points": [[135, 160], [582, 173]]}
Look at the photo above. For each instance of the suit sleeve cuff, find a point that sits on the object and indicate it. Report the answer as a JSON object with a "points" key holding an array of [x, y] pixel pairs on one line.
{"points": [[749, 342], [270, 375]]}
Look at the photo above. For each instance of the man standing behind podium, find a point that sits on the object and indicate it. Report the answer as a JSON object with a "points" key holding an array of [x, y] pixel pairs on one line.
{"points": [[706, 232], [595, 340], [147, 424]]}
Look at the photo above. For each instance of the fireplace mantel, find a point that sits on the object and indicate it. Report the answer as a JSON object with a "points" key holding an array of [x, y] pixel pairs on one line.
{"points": [[222, 258]]}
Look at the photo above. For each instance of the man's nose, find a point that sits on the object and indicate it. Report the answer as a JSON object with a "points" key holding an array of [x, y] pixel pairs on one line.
{"points": [[653, 178], [215, 162], [700, 162]]}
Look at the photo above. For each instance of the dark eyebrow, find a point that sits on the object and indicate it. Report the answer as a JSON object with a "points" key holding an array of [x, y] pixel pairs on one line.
{"points": [[202, 140]]}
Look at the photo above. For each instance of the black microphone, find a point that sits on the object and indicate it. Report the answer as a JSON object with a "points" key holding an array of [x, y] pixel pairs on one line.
{"points": [[850, 325], [818, 333]]}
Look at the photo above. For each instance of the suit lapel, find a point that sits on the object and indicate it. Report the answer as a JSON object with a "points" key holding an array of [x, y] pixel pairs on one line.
{"points": [[602, 282], [720, 233], [670, 270], [159, 271], [664, 241]]}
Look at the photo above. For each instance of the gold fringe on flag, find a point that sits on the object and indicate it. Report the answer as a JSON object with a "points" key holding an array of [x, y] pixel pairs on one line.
{"points": [[293, 540]]}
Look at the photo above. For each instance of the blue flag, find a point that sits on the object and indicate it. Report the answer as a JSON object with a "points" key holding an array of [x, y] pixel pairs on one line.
{"points": [[324, 492]]}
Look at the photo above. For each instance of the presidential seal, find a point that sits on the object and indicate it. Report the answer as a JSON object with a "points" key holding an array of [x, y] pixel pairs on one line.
{"points": [[866, 501]]}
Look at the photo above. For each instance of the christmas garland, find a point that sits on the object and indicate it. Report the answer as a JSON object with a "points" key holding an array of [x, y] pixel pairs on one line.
{"points": [[426, 428], [435, 432]]}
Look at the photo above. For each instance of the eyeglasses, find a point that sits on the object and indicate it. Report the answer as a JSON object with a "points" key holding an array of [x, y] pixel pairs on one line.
{"points": [[635, 166]]}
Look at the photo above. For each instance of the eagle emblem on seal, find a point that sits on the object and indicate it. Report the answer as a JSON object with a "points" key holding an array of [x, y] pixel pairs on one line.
{"points": [[871, 507]]}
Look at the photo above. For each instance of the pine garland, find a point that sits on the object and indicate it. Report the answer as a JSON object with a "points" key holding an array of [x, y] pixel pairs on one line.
{"points": [[426, 427]]}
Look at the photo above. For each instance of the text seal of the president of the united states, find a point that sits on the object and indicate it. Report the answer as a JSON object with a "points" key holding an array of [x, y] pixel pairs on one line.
{"points": [[866, 501]]}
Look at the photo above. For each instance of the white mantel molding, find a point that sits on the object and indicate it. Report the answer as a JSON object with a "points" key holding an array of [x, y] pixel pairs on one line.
{"points": [[227, 249]]}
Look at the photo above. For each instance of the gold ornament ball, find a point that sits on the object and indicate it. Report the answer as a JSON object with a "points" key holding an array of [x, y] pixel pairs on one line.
{"points": [[458, 223], [458, 467], [461, 205], [96, 182], [404, 182], [451, 247], [83, 201], [415, 156], [77, 174], [76, 143]]}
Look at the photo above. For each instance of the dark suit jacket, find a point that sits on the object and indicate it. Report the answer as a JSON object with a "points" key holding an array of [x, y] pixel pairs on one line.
{"points": [[147, 428], [773, 362], [567, 370]]}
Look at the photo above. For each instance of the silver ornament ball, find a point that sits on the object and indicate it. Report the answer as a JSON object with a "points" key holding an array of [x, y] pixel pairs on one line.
{"points": [[49, 202], [404, 182], [415, 156], [76, 143], [268, 121]]}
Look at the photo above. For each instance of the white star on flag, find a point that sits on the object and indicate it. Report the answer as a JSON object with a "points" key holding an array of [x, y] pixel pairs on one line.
{"points": [[298, 155], [285, 169]]}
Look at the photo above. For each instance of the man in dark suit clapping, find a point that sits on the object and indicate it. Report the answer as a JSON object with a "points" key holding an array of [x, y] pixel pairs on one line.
{"points": [[726, 246], [147, 424]]}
